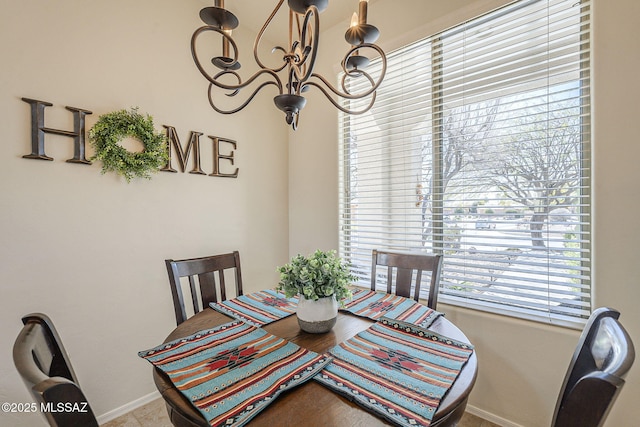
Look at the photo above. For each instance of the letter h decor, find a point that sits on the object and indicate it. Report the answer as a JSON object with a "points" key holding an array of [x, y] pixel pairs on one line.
{"points": [[38, 130]]}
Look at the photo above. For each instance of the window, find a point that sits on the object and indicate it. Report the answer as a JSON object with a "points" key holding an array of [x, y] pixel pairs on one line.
{"points": [[478, 147]]}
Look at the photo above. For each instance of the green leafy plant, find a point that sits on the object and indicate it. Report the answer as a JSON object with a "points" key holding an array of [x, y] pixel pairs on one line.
{"points": [[322, 274], [111, 128]]}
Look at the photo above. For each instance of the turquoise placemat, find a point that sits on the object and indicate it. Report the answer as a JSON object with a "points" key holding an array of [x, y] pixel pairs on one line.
{"points": [[258, 308], [375, 305], [396, 370], [233, 371]]}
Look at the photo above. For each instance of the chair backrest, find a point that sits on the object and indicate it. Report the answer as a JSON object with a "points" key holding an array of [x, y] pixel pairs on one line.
{"points": [[603, 356], [204, 270], [44, 366], [404, 265]]}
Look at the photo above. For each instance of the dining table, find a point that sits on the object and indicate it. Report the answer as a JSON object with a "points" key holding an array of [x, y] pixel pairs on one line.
{"points": [[311, 404]]}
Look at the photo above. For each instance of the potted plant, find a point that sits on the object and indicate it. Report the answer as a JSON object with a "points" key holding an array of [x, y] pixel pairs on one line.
{"points": [[321, 280]]}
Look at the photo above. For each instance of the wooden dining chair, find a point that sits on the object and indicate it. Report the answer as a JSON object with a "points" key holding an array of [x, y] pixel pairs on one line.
{"points": [[595, 376], [404, 265], [204, 290], [45, 368]]}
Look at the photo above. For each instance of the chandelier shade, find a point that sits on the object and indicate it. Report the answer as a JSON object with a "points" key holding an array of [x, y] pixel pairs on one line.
{"points": [[295, 74]]}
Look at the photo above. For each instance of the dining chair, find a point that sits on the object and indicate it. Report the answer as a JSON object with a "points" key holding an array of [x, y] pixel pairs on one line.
{"points": [[45, 368], [204, 290], [405, 264], [595, 376]]}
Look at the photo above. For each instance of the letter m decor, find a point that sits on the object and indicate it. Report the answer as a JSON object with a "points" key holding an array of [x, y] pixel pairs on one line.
{"points": [[183, 155]]}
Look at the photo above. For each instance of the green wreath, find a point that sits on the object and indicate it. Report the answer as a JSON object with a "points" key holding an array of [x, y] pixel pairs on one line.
{"points": [[111, 128]]}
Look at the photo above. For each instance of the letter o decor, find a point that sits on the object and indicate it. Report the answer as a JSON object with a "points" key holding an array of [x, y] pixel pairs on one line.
{"points": [[112, 128]]}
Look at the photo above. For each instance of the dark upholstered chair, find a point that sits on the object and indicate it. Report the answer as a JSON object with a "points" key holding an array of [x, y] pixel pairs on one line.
{"points": [[596, 373], [44, 366], [204, 269], [405, 264]]}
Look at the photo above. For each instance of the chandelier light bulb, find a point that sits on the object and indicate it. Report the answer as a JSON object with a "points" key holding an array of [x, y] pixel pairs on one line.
{"points": [[354, 20]]}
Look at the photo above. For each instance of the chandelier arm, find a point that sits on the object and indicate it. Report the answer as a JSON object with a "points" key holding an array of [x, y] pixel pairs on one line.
{"points": [[358, 73], [235, 110], [236, 88], [284, 63], [293, 87], [297, 17], [312, 53], [194, 39], [335, 103], [214, 80], [256, 43], [222, 73], [345, 94]]}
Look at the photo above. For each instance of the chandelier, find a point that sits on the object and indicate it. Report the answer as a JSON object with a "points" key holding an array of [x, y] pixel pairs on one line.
{"points": [[295, 74]]}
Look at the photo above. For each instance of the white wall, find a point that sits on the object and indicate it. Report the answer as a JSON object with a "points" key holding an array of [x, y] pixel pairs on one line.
{"points": [[89, 249], [521, 363]]}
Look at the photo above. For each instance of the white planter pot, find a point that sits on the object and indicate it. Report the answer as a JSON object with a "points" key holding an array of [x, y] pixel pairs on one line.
{"points": [[317, 316]]}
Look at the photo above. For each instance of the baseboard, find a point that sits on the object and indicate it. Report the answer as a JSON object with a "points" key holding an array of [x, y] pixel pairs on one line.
{"points": [[490, 417], [115, 413]]}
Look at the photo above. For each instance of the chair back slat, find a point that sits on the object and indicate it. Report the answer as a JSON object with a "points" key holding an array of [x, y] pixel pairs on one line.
{"points": [[403, 281], [193, 287], [223, 286], [208, 287], [418, 281], [204, 290]]}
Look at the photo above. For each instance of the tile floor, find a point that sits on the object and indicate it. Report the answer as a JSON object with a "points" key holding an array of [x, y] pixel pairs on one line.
{"points": [[154, 414], [469, 420]]}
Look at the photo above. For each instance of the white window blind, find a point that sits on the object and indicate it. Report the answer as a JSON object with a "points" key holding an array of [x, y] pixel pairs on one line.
{"points": [[478, 147]]}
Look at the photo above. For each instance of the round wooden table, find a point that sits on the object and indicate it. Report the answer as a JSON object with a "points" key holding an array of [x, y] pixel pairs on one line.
{"points": [[311, 404]]}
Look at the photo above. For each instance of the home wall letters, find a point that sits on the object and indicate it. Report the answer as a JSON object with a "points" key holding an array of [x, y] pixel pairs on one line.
{"points": [[194, 144], [38, 131]]}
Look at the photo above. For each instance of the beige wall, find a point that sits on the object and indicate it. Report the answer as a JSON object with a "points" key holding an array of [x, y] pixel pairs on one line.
{"points": [[522, 363], [89, 249]]}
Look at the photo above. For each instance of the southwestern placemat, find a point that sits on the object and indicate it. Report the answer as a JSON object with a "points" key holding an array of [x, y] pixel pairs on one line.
{"points": [[258, 308], [374, 305], [233, 371], [396, 370]]}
